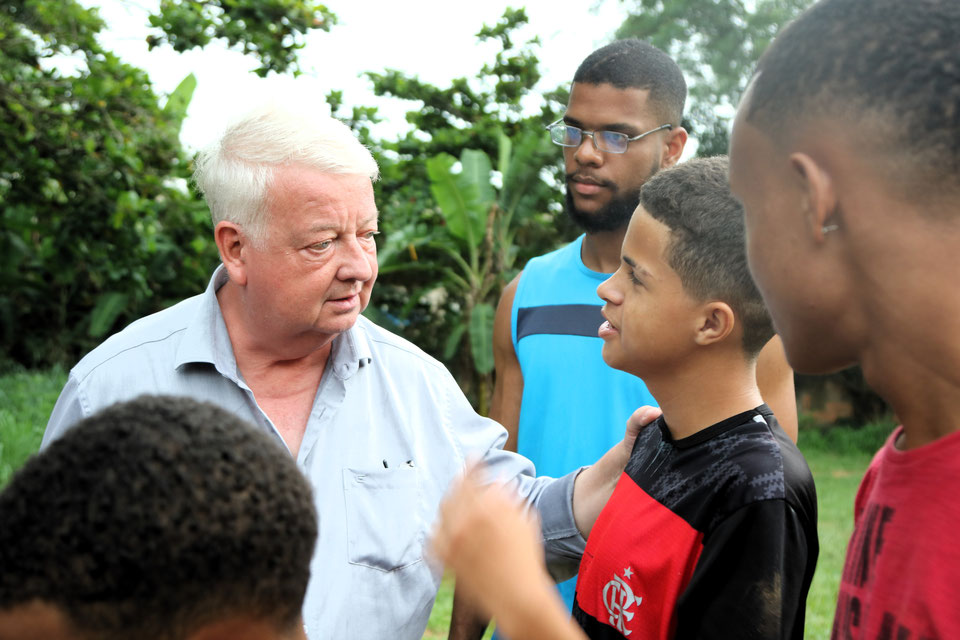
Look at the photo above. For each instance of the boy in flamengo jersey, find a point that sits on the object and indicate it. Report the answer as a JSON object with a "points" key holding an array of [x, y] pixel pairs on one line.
{"points": [[712, 526]]}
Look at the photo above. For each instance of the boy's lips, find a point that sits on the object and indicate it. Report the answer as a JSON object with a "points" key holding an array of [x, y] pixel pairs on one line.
{"points": [[607, 330]]}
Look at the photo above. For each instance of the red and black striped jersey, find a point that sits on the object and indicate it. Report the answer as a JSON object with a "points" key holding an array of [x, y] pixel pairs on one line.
{"points": [[710, 536]]}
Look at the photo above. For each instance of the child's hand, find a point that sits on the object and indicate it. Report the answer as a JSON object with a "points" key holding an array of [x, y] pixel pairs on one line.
{"points": [[493, 544], [637, 421], [490, 541]]}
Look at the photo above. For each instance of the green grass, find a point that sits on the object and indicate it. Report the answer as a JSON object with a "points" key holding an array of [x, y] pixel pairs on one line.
{"points": [[837, 476], [26, 399], [838, 457]]}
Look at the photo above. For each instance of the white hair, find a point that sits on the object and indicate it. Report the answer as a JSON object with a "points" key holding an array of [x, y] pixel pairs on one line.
{"points": [[235, 172]]}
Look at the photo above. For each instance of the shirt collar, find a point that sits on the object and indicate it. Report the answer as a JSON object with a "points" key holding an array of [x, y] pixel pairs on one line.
{"points": [[206, 339], [351, 350]]}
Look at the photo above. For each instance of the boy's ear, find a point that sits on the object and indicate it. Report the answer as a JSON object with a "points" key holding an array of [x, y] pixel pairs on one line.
{"points": [[232, 243], [715, 323], [819, 198]]}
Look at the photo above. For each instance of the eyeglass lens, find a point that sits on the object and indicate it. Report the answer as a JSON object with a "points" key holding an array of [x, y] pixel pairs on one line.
{"points": [[569, 136]]}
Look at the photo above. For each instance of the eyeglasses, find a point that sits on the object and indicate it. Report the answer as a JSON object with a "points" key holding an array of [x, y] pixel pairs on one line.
{"points": [[566, 135]]}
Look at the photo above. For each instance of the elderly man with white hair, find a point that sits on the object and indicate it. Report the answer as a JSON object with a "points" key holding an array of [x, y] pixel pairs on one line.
{"points": [[379, 427]]}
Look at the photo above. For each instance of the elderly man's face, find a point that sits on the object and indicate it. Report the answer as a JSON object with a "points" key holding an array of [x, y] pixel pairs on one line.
{"points": [[314, 273]]}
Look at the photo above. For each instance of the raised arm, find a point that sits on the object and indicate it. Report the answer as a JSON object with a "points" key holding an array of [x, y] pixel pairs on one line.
{"points": [[775, 379], [508, 383]]}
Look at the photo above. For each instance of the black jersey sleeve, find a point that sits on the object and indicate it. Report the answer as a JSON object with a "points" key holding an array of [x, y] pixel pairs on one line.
{"points": [[750, 581]]}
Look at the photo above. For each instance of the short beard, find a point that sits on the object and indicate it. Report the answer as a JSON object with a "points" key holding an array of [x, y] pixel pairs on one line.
{"points": [[616, 215], [613, 217]]}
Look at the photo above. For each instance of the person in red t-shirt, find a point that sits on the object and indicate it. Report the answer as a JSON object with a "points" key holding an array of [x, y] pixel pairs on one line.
{"points": [[846, 155]]}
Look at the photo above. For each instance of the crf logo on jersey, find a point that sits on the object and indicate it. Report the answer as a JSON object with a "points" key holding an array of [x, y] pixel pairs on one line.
{"points": [[618, 598]]}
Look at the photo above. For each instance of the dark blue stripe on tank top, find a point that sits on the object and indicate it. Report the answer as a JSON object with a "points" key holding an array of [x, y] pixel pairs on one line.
{"points": [[559, 319]]}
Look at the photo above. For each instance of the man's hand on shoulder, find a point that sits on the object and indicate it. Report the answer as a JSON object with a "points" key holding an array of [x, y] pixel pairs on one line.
{"points": [[639, 419], [595, 485]]}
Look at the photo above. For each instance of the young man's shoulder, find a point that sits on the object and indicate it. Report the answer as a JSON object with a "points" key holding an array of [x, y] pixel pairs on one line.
{"points": [[763, 462], [741, 461]]}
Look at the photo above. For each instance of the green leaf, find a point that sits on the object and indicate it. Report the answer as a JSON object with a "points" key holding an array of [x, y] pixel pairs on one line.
{"points": [[464, 198], [179, 100], [453, 197], [109, 306], [504, 150], [481, 337], [476, 173], [453, 341]]}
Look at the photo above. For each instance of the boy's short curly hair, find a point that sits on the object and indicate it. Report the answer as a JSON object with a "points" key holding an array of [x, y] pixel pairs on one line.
{"points": [[707, 246], [154, 517]]}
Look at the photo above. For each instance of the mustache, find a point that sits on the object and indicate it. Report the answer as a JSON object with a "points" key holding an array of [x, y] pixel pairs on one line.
{"points": [[591, 180]]}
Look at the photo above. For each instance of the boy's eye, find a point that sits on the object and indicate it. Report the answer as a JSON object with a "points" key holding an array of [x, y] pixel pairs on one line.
{"points": [[633, 278]]}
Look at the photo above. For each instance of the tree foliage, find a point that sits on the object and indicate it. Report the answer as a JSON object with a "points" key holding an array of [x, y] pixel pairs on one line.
{"points": [[717, 44], [272, 31], [468, 194], [98, 225]]}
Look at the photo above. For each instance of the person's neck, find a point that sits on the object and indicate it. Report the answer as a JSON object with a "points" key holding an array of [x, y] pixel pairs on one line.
{"points": [[921, 385], [601, 250], [908, 319], [699, 394], [258, 350]]}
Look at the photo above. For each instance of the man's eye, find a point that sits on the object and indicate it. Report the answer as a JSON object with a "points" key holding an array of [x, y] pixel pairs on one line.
{"points": [[322, 246], [370, 235]]}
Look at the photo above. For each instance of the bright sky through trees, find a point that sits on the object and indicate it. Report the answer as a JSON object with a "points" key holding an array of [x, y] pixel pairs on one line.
{"points": [[434, 39]]}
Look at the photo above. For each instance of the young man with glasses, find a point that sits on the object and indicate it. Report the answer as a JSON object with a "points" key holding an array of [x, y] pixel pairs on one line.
{"points": [[560, 403]]}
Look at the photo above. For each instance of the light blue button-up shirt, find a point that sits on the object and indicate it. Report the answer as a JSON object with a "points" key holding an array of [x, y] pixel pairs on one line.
{"points": [[388, 432]]}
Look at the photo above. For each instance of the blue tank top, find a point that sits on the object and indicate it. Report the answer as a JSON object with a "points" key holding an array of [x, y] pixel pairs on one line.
{"points": [[574, 405]]}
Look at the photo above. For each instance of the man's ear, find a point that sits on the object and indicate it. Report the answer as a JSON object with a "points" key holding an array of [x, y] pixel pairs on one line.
{"points": [[819, 197], [673, 144], [232, 244], [715, 323]]}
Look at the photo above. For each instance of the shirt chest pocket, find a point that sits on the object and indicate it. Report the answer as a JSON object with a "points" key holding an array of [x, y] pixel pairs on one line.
{"points": [[384, 528]]}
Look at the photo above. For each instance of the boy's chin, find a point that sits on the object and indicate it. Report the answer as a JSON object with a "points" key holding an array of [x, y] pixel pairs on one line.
{"points": [[613, 358]]}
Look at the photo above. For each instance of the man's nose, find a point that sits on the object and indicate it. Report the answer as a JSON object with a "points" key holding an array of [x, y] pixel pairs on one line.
{"points": [[587, 152], [356, 261]]}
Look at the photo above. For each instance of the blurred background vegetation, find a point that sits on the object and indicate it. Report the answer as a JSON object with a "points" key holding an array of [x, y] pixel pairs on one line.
{"points": [[101, 226]]}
